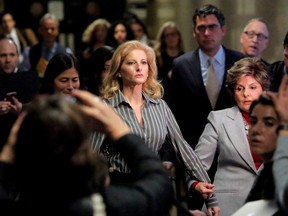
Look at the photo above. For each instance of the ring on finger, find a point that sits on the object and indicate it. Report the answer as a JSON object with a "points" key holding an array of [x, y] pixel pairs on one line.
{"points": [[96, 99]]}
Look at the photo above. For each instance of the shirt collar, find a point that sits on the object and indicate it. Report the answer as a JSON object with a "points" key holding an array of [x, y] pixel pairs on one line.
{"points": [[119, 98], [219, 57], [13, 33]]}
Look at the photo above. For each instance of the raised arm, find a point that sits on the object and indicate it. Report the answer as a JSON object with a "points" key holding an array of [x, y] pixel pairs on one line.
{"points": [[280, 164]]}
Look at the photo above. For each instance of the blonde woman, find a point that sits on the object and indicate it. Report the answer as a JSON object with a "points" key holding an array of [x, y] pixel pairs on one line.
{"points": [[94, 36], [168, 46], [132, 88]]}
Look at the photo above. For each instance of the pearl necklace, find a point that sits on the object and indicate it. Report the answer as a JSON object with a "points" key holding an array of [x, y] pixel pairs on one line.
{"points": [[246, 126]]}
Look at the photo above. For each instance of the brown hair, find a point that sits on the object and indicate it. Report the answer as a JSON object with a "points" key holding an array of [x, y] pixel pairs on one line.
{"points": [[249, 66]]}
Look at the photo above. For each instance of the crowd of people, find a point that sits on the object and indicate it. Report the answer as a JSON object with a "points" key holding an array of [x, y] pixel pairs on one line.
{"points": [[99, 133]]}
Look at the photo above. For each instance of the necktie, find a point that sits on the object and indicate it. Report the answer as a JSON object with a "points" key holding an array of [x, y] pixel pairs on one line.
{"points": [[212, 83]]}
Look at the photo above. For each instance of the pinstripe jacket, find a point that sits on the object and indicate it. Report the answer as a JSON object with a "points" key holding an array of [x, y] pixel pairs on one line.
{"points": [[159, 124]]}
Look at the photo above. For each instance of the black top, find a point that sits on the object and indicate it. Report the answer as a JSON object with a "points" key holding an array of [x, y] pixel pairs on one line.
{"points": [[26, 84], [150, 194], [276, 72]]}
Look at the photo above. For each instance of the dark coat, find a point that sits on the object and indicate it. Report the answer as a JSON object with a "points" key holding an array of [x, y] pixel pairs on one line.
{"points": [[189, 100]]}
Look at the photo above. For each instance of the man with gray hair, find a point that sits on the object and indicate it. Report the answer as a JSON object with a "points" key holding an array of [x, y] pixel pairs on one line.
{"points": [[254, 38], [37, 57]]}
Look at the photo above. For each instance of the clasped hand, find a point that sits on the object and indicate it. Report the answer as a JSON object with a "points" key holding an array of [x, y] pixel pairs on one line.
{"points": [[205, 189], [10, 107]]}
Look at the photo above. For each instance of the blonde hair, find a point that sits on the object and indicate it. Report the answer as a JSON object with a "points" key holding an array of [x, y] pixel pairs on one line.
{"points": [[88, 32], [112, 83], [160, 44]]}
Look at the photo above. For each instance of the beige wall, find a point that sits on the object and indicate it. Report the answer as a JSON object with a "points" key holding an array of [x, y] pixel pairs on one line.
{"points": [[237, 13]]}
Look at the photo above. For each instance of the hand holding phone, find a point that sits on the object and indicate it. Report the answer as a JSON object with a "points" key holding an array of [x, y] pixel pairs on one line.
{"points": [[10, 95]]}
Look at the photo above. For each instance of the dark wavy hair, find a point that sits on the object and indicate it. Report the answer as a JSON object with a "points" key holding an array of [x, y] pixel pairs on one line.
{"points": [[263, 99], [111, 41], [248, 66], [96, 66]]}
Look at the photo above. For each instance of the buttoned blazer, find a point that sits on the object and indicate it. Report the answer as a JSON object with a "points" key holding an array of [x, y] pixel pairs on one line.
{"points": [[189, 100], [224, 136]]}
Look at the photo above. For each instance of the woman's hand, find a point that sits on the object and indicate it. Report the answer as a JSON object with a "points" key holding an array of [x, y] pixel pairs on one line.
{"points": [[7, 153], [4, 107], [106, 119], [205, 189]]}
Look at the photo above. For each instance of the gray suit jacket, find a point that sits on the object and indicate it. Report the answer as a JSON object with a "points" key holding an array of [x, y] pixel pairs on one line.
{"points": [[280, 172], [224, 136]]}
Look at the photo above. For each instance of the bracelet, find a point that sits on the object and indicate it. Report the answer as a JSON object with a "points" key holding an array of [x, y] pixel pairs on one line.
{"points": [[282, 126]]}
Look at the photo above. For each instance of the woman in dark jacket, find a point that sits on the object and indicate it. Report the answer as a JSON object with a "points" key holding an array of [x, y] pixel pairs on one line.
{"points": [[50, 161]]}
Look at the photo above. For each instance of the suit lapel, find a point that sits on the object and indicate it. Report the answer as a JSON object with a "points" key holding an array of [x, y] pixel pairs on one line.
{"points": [[197, 81], [196, 69], [238, 138]]}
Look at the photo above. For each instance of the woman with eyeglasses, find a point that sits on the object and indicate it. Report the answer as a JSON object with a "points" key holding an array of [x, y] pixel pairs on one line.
{"points": [[133, 90], [168, 46]]}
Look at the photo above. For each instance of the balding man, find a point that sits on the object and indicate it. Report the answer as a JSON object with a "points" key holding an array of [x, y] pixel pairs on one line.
{"points": [[254, 38], [23, 86], [37, 57]]}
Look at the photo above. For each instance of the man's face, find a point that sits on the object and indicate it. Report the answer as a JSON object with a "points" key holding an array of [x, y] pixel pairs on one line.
{"points": [[49, 31], [7, 23], [254, 39], [209, 33], [8, 56]]}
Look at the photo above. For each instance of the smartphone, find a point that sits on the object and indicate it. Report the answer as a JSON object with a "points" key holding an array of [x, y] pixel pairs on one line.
{"points": [[9, 96]]}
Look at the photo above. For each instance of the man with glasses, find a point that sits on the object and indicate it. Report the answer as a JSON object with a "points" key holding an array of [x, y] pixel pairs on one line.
{"points": [[189, 76], [254, 38]]}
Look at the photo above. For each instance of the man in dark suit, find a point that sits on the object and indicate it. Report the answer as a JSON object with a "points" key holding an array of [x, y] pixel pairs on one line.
{"points": [[37, 57], [23, 37], [23, 85], [279, 68], [189, 75]]}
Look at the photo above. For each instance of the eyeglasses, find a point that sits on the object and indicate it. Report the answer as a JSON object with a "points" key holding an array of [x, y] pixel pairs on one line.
{"points": [[252, 34], [203, 28]]}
